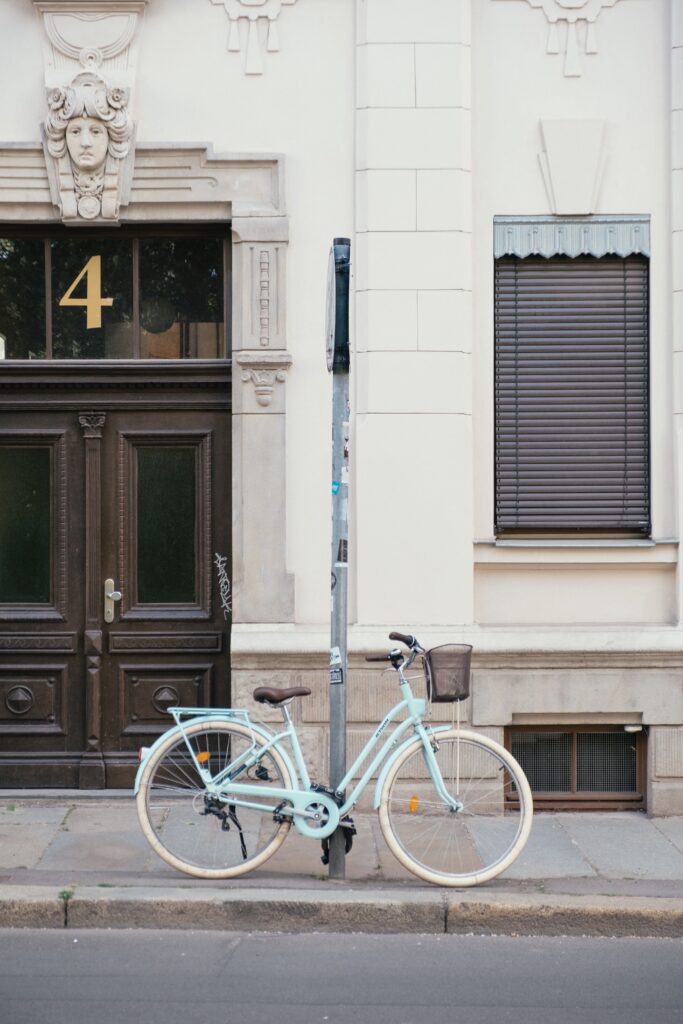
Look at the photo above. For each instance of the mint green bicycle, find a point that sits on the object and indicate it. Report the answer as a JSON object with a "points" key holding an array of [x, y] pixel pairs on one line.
{"points": [[218, 793]]}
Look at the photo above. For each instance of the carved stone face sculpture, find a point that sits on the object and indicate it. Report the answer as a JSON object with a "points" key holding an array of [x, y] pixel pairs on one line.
{"points": [[87, 141], [88, 134]]}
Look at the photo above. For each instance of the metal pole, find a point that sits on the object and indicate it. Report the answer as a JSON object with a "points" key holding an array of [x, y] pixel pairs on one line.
{"points": [[339, 358]]}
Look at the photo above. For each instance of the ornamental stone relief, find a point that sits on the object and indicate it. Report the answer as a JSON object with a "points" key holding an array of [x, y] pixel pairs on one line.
{"points": [[264, 370], [88, 132], [578, 18], [88, 138], [260, 30]]}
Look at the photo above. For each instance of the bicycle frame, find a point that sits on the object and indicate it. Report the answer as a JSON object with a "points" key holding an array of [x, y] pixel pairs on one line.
{"points": [[305, 801]]}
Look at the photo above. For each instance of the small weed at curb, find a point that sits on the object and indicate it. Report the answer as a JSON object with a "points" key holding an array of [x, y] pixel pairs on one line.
{"points": [[65, 895], [10, 807], [105, 885]]}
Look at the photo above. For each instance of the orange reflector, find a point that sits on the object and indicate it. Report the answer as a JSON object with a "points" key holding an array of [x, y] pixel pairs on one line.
{"points": [[203, 757], [412, 806]]}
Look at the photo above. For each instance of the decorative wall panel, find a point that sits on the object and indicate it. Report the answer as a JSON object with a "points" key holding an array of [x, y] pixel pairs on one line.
{"points": [[572, 29], [258, 21]]}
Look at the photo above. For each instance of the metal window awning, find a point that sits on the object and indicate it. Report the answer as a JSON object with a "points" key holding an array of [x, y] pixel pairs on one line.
{"points": [[607, 235]]}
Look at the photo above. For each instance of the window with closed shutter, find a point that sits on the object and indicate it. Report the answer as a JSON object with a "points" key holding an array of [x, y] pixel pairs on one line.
{"points": [[571, 401]]}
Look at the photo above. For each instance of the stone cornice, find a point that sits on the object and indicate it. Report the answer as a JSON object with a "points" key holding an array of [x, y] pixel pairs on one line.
{"points": [[170, 181]]}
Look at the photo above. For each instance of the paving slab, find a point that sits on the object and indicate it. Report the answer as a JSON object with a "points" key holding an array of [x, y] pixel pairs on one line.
{"points": [[299, 855], [624, 845], [34, 814], [24, 845], [97, 851], [550, 852], [672, 828], [104, 817]]}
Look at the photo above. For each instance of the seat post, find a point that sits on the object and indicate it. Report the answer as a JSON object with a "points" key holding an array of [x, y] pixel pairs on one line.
{"points": [[285, 713]]}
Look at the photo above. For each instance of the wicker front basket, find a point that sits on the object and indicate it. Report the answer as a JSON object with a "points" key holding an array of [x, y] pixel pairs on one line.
{"points": [[447, 672]]}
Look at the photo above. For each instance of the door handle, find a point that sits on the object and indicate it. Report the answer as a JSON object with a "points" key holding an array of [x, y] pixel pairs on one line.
{"points": [[111, 596]]}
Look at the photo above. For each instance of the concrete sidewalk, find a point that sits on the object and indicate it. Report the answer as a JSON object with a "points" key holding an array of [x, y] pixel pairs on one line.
{"points": [[79, 860]]}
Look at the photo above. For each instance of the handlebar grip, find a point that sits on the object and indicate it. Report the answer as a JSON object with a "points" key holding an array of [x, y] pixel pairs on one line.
{"points": [[403, 638]]}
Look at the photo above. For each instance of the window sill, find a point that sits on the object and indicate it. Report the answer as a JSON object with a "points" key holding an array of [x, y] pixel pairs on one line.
{"points": [[573, 552]]}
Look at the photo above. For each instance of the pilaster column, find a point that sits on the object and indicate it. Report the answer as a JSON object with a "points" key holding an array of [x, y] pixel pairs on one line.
{"points": [[677, 263], [413, 267], [263, 588]]}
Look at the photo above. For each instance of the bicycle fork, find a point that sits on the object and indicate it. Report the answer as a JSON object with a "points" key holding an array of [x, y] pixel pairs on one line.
{"points": [[431, 746]]}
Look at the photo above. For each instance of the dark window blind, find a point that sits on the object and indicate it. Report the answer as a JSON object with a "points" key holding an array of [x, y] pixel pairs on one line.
{"points": [[571, 404]]}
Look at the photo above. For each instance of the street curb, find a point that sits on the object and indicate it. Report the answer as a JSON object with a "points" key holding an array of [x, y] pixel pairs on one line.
{"points": [[31, 907], [537, 914], [372, 912]]}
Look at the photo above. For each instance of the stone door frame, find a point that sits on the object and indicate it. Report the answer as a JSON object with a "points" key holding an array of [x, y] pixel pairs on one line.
{"points": [[188, 183]]}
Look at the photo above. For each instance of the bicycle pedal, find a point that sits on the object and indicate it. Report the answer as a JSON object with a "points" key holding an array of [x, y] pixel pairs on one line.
{"points": [[349, 832]]}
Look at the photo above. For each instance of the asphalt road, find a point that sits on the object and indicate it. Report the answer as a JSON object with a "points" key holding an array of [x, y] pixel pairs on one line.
{"points": [[185, 977]]}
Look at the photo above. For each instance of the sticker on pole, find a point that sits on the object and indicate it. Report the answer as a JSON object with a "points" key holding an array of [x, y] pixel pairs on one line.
{"points": [[336, 677]]}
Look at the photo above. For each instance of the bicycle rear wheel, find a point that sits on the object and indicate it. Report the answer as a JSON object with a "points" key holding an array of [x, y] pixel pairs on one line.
{"points": [[456, 847], [200, 835]]}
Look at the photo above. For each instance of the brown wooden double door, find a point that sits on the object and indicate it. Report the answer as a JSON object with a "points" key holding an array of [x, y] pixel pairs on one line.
{"points": [[114, 563]]}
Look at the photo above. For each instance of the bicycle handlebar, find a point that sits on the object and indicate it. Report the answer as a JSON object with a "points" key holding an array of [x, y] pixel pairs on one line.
{"points": [[403, 638], [396, 657]]}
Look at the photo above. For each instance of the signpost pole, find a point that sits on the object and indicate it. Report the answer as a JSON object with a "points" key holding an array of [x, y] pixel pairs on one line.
{"points": [[338, 364]]}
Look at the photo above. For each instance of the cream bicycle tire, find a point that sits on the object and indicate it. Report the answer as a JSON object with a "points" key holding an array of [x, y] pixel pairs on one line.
{"points": [[184, 778], [458, 857]]}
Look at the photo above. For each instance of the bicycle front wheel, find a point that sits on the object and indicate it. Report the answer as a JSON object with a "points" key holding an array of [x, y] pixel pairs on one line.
{"points": [[472, 843], [196, 833]]}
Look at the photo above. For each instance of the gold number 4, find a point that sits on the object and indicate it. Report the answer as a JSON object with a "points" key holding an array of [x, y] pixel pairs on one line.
{"points": [[93, 300]]}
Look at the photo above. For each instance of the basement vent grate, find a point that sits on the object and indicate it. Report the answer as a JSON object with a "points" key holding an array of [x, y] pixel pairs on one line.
{"points": [[580, 766]]}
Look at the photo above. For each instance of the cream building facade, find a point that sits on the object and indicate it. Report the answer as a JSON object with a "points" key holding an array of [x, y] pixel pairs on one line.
{"points": [[438, 135]]}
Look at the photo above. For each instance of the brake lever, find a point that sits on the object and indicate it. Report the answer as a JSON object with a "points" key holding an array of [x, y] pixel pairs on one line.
{"points": [[393, 656]]}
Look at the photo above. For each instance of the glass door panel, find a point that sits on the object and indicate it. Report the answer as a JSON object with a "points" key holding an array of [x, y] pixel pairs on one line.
{"points": [[166, 525], [136, 295], [181, 298], [92, 298], [25, 525], [22, 298]]}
